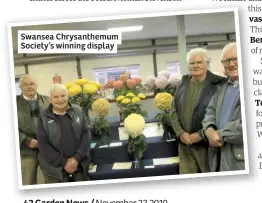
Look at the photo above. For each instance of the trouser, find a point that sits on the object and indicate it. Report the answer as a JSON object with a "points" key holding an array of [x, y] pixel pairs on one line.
{"points": [[193, 159], [31, 171], [76, 177]]}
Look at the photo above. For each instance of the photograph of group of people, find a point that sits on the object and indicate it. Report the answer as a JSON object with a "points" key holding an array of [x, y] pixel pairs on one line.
{"points": [[56, 137]]}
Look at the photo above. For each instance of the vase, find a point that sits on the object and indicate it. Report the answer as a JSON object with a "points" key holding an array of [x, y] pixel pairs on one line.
{"points": [[137, 161], [168, 132]]}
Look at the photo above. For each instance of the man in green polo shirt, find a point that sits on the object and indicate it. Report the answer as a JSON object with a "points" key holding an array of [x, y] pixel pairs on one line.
{"points": [[191, 100]]}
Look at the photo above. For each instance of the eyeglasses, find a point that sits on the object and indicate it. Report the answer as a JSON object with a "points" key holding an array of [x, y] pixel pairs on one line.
{"points": [[226, 62], [198, 63]]}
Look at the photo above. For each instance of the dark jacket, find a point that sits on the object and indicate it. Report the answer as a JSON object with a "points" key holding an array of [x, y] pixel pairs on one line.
{"points": [[211, 83], [25, 121], [51, 157]]}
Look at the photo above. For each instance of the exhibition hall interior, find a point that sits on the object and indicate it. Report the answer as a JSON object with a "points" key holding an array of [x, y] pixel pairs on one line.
{"points": [[150, 61]]}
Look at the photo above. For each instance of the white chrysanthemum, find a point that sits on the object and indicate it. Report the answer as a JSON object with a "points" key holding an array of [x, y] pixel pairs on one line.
{"points": [[134, 125], [164, 73], [174, 80], [161, 82], [150, 81]]}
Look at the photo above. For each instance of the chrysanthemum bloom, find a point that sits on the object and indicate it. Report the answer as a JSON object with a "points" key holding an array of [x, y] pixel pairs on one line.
{"points": [[69, 84], [131, 83], [134, 125], [126, 101], [161, 82], [135, 100], [130, 94], [101, 107], [81, 81], [164, 73], [90, 89], [97, 84], [120, 98], [110, 83], [163, 101], [74, 90], [123, 77], [118, 85], [138, 81], [174, 80], [141, 96], [150, 81]]}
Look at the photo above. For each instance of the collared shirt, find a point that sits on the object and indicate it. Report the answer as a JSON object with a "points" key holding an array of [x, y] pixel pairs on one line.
{"points": [[27, 98], [58, 113]]}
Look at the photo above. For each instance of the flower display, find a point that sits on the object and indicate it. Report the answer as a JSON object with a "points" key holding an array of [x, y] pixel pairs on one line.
{"points": [[90, 89], [81, 81], [118, 85], [131, 83], [134, 125], [141, 96], [174, 80], [135, 100], [130, 94], [161, 82], [101, 107], [74, 90], [163, 101], [164, 73], [82, 92], [120, 98], [126, 101], [150, 81]]}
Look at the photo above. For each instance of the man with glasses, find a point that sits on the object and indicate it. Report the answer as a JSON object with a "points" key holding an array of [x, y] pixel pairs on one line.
{"points": [[29, 106], [191, 100], [222, 122]]}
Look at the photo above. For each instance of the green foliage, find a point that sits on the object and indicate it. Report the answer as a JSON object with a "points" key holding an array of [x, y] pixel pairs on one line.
{"points": [[137, 146], [128, 109], [163, 118], [83, 100], [102, 127], [169, 89]]}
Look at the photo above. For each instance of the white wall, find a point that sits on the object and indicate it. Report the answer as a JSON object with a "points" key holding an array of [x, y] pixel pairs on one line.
{"points": [[145, 61], [45, 73]]}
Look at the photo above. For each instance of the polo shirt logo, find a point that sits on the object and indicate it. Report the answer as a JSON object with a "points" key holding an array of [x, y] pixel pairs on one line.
{"points": [[50, 121], [77, 119]]}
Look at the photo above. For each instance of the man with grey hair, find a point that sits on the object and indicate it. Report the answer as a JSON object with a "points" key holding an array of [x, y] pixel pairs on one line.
{"points": [[64, 139], [191, 99], [223, 123], [29, 106]]}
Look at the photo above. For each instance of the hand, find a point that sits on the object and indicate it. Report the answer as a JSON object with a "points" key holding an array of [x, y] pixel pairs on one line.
{"points": [[212, 135], [33, 144], [194, 138], [215, 143], [71, 165], [184, 137]]}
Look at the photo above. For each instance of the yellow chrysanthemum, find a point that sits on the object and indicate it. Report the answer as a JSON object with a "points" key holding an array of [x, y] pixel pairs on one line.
{"points": [[135, 100], [141, 96], [163, 101], [69, 84], [97, 84], [126, 101], [130, 95], [120, 98], [74, 90], [134, 125], [101, 107], [90, 89], [81, 81]]}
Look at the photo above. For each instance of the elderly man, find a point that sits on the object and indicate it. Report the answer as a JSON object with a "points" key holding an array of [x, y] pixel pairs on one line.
{"points": [[191, 99], [222, 122], [63, 139], [29, 106]]}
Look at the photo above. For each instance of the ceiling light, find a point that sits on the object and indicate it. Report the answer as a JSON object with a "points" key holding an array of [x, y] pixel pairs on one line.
{"points": [[126, 29]]}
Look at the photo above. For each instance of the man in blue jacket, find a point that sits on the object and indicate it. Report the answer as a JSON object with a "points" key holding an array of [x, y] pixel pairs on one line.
{"points": [[63, 139], [223, 122]]}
